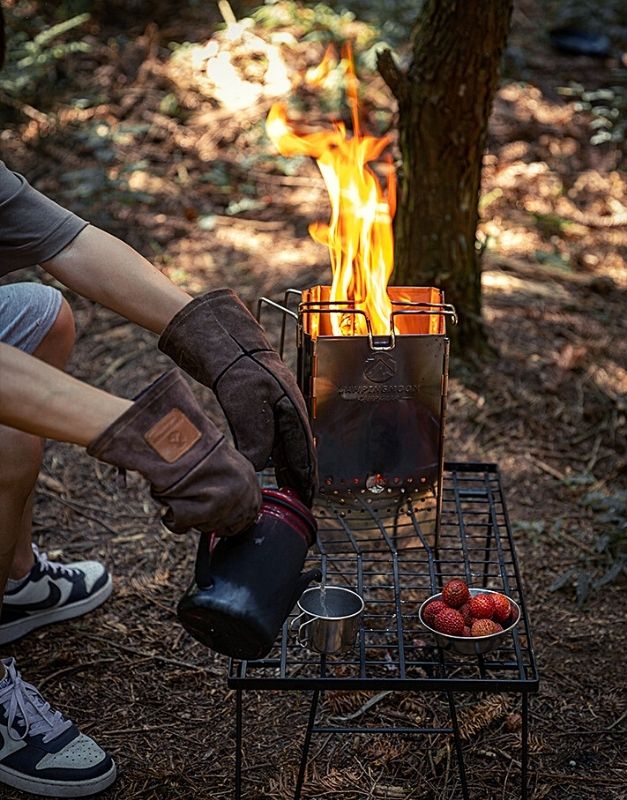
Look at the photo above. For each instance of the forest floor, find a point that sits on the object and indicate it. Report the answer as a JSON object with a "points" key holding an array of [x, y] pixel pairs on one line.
{"points": [[136, 138]]}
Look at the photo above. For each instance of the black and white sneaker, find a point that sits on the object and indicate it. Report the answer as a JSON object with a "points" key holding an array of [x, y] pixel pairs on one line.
{"points": [[41, 751], [51, 592]]}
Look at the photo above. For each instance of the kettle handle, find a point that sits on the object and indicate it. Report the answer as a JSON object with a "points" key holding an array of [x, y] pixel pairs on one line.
{"points": [[202, 570]]}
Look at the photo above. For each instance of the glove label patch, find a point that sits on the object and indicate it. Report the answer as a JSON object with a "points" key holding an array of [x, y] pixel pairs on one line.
{"points": [[172, 436]]}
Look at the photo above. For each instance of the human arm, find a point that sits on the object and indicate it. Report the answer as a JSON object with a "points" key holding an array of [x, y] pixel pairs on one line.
{"points": [[40, 399], [206, 338], [91, 262], [164, 434], [105, 269]]}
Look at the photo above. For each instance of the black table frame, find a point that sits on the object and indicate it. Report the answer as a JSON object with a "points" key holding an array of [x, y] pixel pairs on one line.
{"points": [[395, 558]]}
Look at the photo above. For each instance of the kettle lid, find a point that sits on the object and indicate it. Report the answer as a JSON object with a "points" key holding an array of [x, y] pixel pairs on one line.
{"points": [[288, 500]]}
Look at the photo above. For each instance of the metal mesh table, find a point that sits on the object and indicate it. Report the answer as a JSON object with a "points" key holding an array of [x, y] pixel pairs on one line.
{"points": [[394, 557]]}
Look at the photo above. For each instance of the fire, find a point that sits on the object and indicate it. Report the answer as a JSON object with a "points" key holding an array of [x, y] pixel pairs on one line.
{"points": [[359, 233]]}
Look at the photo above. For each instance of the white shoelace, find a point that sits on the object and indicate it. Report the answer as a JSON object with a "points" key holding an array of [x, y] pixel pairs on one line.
{"points": [[25, 705], [51, 566]]}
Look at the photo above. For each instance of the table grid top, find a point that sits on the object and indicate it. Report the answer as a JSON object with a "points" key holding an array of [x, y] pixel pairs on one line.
{"points": [[390, 556]]}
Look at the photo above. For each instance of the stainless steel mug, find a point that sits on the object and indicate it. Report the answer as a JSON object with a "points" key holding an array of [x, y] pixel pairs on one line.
{"points": [[328, 623]]}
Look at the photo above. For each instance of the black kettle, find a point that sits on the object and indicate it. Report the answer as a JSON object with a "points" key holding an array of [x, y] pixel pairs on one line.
{"points": [[246, 585]]}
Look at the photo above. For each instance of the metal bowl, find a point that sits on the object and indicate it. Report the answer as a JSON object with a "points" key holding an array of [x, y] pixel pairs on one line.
{"points": [[466, 645]]}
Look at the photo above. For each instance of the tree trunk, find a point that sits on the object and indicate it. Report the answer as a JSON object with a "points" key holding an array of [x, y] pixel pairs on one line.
{"points": [[444, 101]]}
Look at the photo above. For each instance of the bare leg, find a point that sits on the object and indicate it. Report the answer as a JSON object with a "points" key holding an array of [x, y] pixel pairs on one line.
{"points": [[30, 386], [39, 399], [103, 268], [21, 458], [22, 454]]}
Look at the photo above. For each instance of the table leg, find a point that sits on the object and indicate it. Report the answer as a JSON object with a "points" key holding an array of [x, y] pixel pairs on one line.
{"points": [[525, 745], [238, 744], [306, 744], [458, 745]]}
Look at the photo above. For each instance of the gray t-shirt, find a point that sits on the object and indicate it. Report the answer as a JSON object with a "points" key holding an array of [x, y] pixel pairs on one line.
{"points": [[33, 228]]}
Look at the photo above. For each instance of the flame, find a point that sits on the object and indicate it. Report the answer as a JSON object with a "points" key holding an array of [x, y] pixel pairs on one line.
{"points": [[359, 233], [319, 76]]}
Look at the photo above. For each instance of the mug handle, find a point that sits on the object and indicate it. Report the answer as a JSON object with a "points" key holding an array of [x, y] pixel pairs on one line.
{"points": [[295, 620], [300, 627]]}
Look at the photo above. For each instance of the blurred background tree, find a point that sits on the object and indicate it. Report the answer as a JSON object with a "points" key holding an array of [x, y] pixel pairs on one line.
{"points": [[444, 102]]}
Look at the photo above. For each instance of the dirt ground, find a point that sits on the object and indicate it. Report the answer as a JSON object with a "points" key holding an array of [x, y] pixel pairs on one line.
{"points": [[139, 142]]}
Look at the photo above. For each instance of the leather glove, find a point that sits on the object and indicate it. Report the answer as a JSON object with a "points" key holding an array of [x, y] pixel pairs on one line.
{"points": [[218, 342], [192, 469]]}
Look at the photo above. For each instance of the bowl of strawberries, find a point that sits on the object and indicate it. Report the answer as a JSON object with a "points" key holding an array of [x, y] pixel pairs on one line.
{"points": [[469, 621]]}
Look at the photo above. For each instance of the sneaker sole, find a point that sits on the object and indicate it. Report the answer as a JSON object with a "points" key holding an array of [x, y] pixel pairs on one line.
{"points": [[48, 788], [12, 631]]}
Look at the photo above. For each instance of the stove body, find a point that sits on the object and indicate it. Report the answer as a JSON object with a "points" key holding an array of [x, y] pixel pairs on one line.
{"points": [[377, 403]]}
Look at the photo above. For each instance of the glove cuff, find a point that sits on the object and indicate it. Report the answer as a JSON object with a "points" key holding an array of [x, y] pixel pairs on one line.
{"points": [[210, 334], [169, 333], [159, 434]]}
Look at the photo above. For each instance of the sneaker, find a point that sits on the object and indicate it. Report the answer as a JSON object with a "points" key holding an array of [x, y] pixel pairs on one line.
{"points": [[51, 592], [41, 751]]}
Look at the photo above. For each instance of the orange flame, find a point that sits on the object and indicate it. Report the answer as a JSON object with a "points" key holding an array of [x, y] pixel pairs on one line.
{"points": [[317, 76], [359, 233]]}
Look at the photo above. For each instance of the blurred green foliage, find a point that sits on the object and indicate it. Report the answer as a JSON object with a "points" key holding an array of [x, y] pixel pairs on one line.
{"points": [[318, 22], [390, 22], [34, 49], [607, 108]]}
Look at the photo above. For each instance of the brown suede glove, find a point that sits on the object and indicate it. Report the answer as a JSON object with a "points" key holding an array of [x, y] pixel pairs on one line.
{"points": [[192, 468], [218, 342]]}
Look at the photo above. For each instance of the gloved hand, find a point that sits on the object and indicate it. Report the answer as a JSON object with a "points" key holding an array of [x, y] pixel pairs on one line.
{"points": [[192, 468], [218, 342]]}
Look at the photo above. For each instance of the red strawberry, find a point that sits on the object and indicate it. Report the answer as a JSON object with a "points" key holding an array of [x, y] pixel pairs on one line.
{"points": [[431, 610], [481, 606], [484, 627], [450, 622], [501, 608], [455, 593], [465, 612]]}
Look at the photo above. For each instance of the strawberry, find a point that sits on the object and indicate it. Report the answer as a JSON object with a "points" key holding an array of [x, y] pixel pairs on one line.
{"points": [[455, 593], [449, 621], [481, 606], [485, 627], [431, 610], [465, 612], [466, 632], [501, 608]]}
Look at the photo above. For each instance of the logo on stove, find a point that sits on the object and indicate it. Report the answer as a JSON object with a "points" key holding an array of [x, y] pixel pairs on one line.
{"points": [[380, 368], [376, 394]]}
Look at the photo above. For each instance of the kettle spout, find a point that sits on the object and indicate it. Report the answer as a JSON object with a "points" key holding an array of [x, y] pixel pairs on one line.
{"points": [[303, 582]]}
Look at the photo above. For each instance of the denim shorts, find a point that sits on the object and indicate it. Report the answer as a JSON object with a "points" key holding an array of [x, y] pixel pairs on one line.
{"points": [[27, 312]]}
